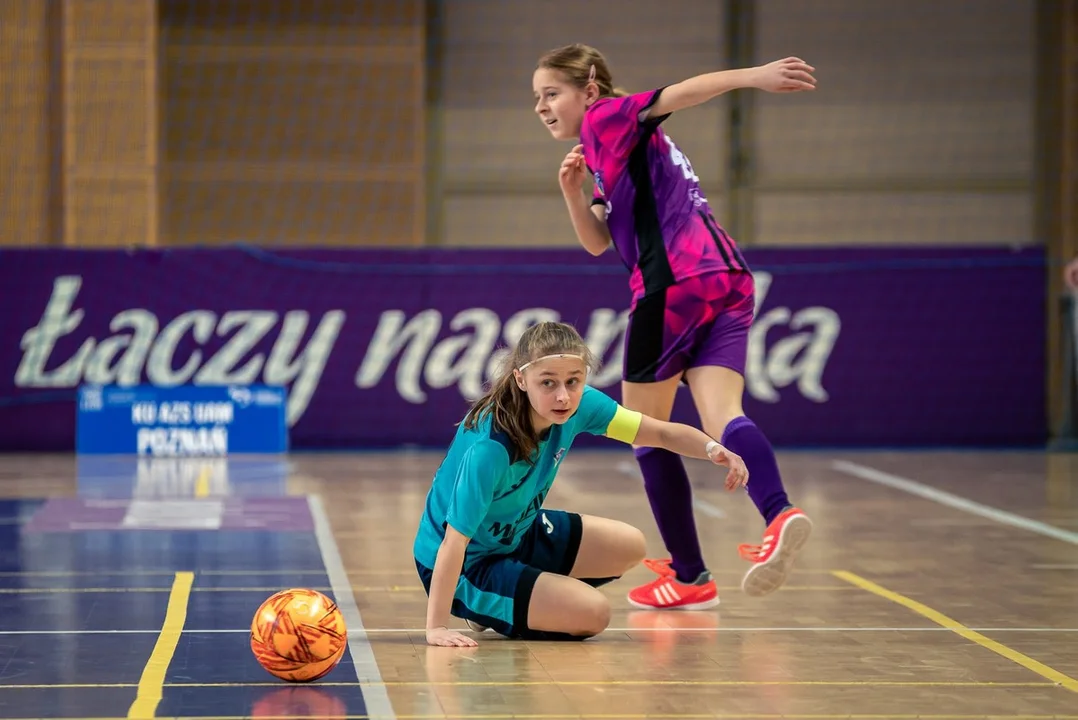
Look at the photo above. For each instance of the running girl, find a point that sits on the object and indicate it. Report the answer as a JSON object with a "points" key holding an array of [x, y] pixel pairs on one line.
{"points": [[692, 296]]}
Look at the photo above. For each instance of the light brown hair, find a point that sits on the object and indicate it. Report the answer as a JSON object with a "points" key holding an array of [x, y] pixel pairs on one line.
{"points": [[507, 403], [575, 63]]}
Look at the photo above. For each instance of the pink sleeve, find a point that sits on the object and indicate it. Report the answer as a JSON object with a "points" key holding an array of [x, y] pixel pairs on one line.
{"points": [[614, 123]]}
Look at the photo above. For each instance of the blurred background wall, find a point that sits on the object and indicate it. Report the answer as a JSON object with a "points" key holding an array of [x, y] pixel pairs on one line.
{"points": [[409, 123]]}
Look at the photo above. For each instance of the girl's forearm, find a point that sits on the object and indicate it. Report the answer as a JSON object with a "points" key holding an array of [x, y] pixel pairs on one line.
{"points": [[443, 584]]}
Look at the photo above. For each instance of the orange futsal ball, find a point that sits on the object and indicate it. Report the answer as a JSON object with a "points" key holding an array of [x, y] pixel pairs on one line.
{"points": [[298, 635]]}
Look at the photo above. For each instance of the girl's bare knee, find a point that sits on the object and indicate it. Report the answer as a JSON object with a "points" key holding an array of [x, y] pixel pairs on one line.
{"points": [[594, 615]]}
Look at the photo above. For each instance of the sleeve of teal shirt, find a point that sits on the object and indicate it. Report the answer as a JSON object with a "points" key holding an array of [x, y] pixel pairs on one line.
{"points": [[481, 469], [600, 414]]}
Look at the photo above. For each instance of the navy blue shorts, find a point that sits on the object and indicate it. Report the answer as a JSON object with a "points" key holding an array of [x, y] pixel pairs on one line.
{"points": [[496, 590]]}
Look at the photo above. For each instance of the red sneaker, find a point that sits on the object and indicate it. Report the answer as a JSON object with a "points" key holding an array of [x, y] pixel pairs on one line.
{"points": [[668, 593], [773, 558]]}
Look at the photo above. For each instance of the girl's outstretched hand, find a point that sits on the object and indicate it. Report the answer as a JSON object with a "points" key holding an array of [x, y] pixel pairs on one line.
{"points": [[737, 475], [784, 76], [445, 637]]}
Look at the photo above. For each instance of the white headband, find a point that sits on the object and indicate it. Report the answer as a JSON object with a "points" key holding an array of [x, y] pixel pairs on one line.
{"points": [[550, 357]]}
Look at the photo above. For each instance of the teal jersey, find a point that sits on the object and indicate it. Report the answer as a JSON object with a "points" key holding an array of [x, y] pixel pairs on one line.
{"points": [[486, 497]]}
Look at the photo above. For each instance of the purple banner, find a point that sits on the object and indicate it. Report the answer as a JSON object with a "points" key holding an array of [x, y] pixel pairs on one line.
{"points": [[383, 348]]}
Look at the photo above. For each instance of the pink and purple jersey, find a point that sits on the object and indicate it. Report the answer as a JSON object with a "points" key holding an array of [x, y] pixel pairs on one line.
{"points": [[660, 222]]}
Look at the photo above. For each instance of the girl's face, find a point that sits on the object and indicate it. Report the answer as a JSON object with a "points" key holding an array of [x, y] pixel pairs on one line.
{"points": [[554, 387], [559, 105]]}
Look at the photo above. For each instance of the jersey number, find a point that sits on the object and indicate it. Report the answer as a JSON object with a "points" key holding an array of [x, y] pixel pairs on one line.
{"points": [[678, 158]]}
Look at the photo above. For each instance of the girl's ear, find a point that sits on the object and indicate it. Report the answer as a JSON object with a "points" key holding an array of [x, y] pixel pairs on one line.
{"points": [[591, 93], [519, 377]]}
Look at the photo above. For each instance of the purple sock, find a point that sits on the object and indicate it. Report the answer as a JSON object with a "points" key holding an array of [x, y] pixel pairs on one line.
{"points": [[667, 486], [765, 484]]}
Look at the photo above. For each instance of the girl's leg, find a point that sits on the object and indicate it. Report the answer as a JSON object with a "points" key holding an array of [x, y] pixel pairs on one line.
{"points": [[570, 607], [608, 549], [564, 608], [717, 392], [658, 344], [525, 602], [684, 582], [550, 605], [665, 481], [717, 385]]}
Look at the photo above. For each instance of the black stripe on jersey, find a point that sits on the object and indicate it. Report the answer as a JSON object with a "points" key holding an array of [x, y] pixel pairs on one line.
{"points": [[733, 244], [731, 264], [651, 250]]}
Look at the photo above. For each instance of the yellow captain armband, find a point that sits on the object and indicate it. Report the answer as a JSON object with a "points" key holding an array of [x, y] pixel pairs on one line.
{"points": [[624, 425]]}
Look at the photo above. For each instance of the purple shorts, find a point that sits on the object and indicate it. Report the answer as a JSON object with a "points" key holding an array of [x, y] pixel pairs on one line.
{"points": [[700, 321]]}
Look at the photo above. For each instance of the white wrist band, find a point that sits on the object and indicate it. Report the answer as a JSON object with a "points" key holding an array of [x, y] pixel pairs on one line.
{"points": [[709, 447]]}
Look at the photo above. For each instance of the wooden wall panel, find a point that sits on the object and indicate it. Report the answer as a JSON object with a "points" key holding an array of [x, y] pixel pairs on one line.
{"points": [[24, 111], [110, 122], [289, 123]]}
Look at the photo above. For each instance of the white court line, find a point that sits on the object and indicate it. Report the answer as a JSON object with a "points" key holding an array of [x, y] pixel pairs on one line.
{"points": [[729, 629], [959, 503], [702, 505], [707, 508], [375, 697], [1050, 566]]}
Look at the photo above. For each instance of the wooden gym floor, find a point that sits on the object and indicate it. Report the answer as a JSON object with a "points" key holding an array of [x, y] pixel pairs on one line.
{"points": [[936, 585]]}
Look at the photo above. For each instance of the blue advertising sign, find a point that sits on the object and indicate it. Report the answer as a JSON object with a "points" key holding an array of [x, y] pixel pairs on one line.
{"points": [[181, 421]]}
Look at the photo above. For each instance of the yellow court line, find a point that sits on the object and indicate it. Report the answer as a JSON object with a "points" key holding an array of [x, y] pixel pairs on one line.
{"points": [[657, 683], [785, 588], [661, 716], [800, 572], [202, 483], [74, 590], [417, 588], [625, 716], [152, 573], [276, 572], [151, 684], [960, 629], [561, 683]]}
